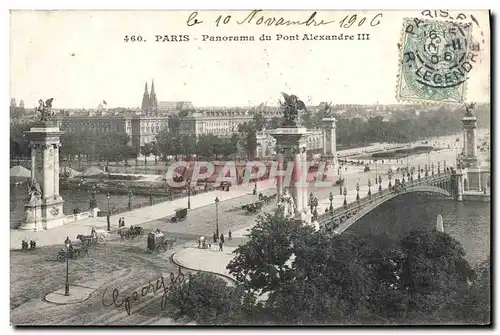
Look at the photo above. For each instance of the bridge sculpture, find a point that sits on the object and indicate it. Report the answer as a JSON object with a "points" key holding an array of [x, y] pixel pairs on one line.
{"points": [[444, 183]]}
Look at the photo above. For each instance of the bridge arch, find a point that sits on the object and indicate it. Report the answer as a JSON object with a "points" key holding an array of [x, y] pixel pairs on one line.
{"points": [[377, 202]]}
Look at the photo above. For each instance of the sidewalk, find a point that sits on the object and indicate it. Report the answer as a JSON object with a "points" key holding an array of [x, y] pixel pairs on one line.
{"points": [[135, 217]]}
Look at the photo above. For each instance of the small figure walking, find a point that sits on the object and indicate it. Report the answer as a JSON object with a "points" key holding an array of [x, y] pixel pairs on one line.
{"points": [[222, 238], [215, 238], [220, 246], [229, 234]]}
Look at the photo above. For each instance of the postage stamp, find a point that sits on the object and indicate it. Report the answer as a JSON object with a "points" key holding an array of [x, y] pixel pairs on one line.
{"points": [[435, 61]]}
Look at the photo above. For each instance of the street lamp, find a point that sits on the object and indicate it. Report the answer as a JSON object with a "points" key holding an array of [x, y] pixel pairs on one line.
{"points": [[380, 183], [340, 187], [189, 193], [331, 199], [369, 188], [67, 243], [109, 197], [357, 191], [311, 201], [150, 195], [426, 171], [217, 216], [345, 197], [403, 176], [375, 171], [129, 200], [418, 172], [432, 168], [439, 168], [390, 177]]}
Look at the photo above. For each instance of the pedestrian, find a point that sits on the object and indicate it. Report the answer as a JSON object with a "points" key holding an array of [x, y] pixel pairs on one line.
{"points": [[215, 238], [220, 246], [209, 245], [222, 238], [123, 222], [229, 235]]}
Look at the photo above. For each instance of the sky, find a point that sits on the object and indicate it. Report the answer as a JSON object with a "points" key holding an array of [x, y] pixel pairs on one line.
{"points": [[80, 58]]}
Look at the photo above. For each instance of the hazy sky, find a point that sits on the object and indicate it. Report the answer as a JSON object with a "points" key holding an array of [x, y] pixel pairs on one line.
{"points": [[80, 58]]}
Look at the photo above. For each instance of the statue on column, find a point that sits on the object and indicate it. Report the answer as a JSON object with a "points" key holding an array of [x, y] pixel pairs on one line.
{"points": [[291, 107], [34, 192], [469, 109], [45, 109]]}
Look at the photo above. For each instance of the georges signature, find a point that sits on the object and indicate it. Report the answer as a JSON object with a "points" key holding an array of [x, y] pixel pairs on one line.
{"points": [[145, 290]]}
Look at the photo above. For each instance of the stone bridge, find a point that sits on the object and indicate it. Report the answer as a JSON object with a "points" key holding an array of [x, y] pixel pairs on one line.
{"points": [[444, 184]]}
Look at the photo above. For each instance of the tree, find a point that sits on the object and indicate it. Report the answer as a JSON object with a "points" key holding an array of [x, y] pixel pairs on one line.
{"points": [[206, 299], [146, 150], [259, 121], [262, 263], [248, 138], [435, 274]]}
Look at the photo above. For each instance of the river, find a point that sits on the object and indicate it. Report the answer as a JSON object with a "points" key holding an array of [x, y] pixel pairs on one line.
{"points": [[73, 198], [467, 222]]}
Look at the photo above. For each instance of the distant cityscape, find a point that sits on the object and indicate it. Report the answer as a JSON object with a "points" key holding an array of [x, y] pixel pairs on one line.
{"points": [[144, 123]]}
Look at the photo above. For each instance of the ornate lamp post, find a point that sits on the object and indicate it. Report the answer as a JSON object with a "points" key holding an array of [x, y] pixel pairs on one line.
{"points": [[345, 197], [108, 196], [432, 168], [67, 243], [340, 187], [369, 188], [189, 193], [315, 206], [129, 200], [151, 195], [380, 183], [330, 197], [418, 172], [402, 176], [217, 216], [426, 171], [390, 177], [311, 202], [357, 191], [444, 166], [439, 168], [411, 174]]}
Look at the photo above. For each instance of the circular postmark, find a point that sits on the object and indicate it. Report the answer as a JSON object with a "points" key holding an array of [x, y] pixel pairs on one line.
{"points": [[436, 60]]}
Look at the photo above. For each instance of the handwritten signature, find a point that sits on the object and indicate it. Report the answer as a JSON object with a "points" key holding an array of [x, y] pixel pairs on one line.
{"points": [[144, 291], [256, 17]]}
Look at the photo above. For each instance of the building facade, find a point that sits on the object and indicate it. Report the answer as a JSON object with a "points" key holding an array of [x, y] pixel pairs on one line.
{"points": [[219, 121], [141, 129]]}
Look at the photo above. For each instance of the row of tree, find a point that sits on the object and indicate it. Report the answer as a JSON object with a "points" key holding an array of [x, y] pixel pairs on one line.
{"points": [[312, 278]]}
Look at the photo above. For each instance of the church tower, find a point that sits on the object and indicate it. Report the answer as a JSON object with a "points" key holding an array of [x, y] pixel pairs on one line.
{"points": [[152, 97], [146, 105]]}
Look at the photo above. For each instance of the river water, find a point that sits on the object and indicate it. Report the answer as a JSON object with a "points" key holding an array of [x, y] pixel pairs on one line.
{"points": [[467, 222], [73, 198]]}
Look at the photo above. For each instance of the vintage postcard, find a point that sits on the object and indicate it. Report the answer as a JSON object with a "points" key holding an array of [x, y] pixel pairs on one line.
{"points": [[250, 167]]}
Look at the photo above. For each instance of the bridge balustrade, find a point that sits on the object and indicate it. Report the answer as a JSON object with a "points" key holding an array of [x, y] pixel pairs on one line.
{"points": [[354, 207]]}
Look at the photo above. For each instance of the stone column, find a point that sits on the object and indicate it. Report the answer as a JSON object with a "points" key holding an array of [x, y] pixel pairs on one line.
{"points": [[464, 150], [56, 170], [297, 179], [324, 142], [47, 174], [279, 179], [33, 161], [303, 155]]}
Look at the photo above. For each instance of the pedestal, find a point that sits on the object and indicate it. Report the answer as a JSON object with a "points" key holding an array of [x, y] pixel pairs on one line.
{"points": [[52, 213], [32, 217], [93, 212], [291, 146]]}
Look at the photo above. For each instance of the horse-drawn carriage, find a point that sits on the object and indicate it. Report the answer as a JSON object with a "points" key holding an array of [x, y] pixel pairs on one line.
{"points": [[76, 249], [96, 236], [132, 232], [253, 208], [180, 215], [157, 241]]}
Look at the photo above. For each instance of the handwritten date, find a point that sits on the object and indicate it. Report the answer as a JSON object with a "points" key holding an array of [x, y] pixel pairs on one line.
{"points": [[257, 17]]}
